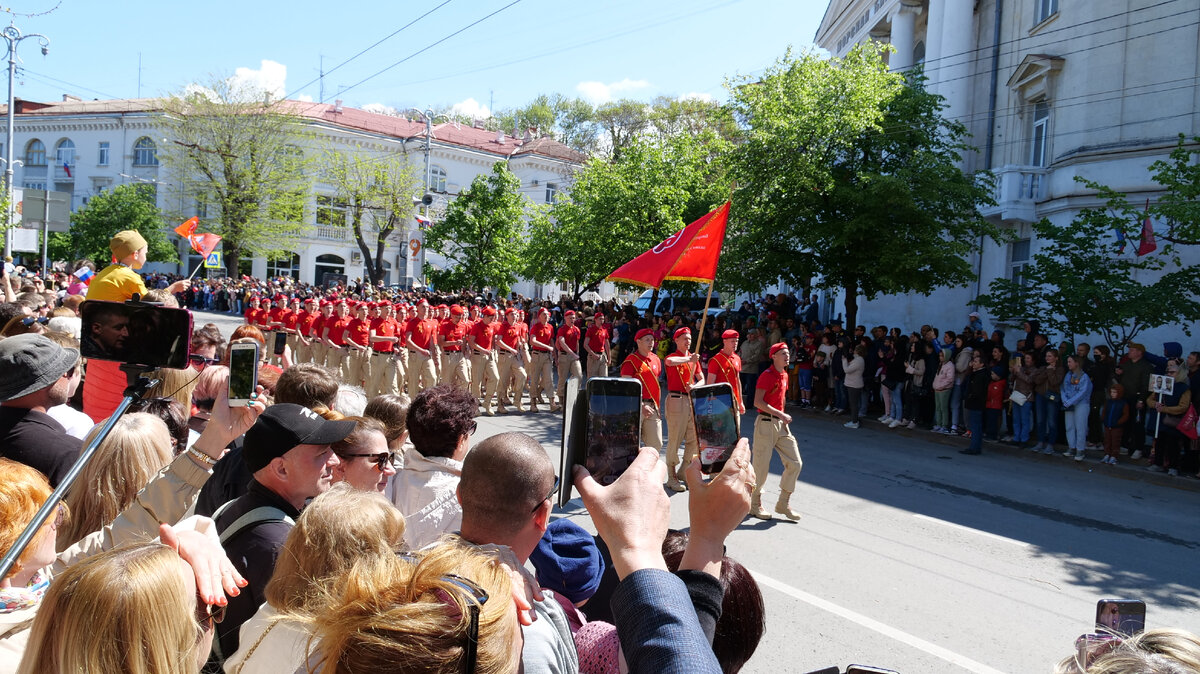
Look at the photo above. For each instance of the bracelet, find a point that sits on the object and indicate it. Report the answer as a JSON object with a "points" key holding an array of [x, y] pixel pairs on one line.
{"points": [[201, 456]]}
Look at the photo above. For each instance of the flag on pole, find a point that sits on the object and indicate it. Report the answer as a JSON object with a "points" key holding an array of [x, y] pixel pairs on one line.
{"points": [[687, 255], [423, 221], [188, 228], [1120, 240], [204, 244], [84, 275], [67, 169], [1147, 244]]}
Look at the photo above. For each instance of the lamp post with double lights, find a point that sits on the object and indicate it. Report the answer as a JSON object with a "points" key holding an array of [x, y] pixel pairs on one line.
{"points": [[13, 37]]}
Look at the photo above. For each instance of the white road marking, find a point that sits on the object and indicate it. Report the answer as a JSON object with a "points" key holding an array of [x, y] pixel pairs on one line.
{"points": [[872, 624], [977, 532]]}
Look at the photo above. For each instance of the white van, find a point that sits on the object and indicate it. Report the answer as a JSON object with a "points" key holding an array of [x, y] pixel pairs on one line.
{"points": [[669, 303]]}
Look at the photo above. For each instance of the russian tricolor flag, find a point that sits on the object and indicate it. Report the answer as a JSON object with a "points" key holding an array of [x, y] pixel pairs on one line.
{"points": [[84, 275]]}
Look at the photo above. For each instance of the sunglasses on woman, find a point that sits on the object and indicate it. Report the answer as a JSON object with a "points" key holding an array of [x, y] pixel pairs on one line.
{"points": [[381, 461], [478, 596], [30, 320]]}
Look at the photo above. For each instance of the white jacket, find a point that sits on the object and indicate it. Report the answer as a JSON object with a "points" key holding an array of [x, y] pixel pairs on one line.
{"points": [[269, 646], [425, 494]]}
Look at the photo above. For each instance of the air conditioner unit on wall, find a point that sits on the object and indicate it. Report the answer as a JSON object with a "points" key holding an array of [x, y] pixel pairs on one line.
{"points": [[356, 257]]}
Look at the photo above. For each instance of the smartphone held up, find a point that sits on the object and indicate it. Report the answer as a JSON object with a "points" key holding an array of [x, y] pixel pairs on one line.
{"points": [[243, 372], [717, 424]]}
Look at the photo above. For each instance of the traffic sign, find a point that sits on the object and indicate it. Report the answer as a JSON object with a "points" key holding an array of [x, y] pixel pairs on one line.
{"points": [[213, 261]]}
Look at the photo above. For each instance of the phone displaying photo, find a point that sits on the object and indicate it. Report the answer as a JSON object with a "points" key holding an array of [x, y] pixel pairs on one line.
{"points": [[1121, 616], [611, 436], [135, 333], [717, 428], [1088, 647], [243, 372], [280, 342]]}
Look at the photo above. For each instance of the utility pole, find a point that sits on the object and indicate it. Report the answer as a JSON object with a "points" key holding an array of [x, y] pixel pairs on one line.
{"points": [[13, 37], [321, 78]]}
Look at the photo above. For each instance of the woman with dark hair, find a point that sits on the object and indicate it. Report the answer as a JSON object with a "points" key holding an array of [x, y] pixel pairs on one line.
{"points": [[440, 423], [975, 401], [853, 365]]}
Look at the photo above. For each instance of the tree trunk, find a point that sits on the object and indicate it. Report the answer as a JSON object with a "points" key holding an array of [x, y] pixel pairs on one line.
{"points": [[232, 255], [653, 304], [851, 289]]}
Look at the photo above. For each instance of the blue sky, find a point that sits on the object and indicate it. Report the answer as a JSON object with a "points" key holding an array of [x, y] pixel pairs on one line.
{"points": [[598, 49]]}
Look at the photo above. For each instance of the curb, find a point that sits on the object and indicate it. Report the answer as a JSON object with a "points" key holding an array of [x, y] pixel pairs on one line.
{"points": [[1126, 470]]}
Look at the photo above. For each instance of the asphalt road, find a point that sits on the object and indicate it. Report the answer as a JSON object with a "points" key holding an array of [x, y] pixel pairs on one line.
{"points": [[913, 557]]}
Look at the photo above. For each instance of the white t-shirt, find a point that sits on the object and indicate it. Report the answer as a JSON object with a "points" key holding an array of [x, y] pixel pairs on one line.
{"points": [[77, 423]]}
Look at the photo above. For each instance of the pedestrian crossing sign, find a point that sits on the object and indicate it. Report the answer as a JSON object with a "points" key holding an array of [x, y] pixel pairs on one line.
{"points": [[213, 261]]}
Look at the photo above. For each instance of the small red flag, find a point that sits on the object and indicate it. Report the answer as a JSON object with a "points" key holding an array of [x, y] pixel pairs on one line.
{"points": [[687, 255], [188, 228], [1147, 244], [204, 244]]}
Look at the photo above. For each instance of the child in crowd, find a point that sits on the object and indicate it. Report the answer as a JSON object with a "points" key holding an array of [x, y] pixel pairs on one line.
{"points": [[1113, 415]]}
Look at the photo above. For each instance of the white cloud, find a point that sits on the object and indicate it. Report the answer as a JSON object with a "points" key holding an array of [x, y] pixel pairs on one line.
{"points": [[379, 109], [304, 97], [271, 77], [697, 96], [599, 92], [471, 108]]}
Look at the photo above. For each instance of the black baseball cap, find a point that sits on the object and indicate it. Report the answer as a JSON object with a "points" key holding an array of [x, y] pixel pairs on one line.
{"points": [[285, 426]]}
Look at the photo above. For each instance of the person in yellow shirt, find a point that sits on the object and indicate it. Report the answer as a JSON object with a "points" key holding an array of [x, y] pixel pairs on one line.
{"points": [[104, 384]]}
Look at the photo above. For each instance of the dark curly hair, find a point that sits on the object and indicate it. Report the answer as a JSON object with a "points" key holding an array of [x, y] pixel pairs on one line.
{"points": [[438, 417]]}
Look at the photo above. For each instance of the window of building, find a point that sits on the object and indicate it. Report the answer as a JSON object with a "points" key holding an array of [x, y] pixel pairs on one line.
{"points": [[35, 153], [919, 53], [201, 210], [35, 185], [102, 154], [1041, 126], [331, 211], [145, 152], [64, 153], [551, 192], [437, 179], [285, 266], [328, 264], [1019, 252], [1046, 9]]}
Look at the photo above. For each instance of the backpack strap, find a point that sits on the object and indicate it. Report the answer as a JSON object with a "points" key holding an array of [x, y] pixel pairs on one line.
{"points": [[260, 515]]}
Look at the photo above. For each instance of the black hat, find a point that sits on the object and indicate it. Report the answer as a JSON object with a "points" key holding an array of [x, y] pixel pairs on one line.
{"points": [[283, 427], [31, 363]]}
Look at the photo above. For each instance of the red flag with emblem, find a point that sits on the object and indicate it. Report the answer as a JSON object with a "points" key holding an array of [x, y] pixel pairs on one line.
{"points": [[687, 255], [204, 244], [188, 228]]}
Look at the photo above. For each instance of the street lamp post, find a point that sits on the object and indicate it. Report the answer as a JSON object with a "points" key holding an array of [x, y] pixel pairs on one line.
{"points": [[12, 36]]}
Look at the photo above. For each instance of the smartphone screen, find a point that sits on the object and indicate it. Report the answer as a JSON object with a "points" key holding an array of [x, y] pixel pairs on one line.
{"points": [[1121, 616], [280, 342], [243, 372], [716, 424], [614, 413], [1088, 647], [142, 334]]}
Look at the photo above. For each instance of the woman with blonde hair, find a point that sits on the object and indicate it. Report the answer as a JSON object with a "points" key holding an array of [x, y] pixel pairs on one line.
{"points": [[175, 384], [130, 610], [338, 529], [448, 611], [1158, 651], [138, 447]]}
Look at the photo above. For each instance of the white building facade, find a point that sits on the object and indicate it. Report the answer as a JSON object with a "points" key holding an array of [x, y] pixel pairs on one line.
{"points": [[1050, 90], [86, 147]]}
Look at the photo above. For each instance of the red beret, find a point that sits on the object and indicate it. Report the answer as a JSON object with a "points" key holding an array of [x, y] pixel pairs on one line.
{"points": [[729, 334], [442, 306], [776, 348], [489, 311], [681, 332], [457, 310], [543, 310], [644, 332], [570, 313], [509, 310], [423, 302]]}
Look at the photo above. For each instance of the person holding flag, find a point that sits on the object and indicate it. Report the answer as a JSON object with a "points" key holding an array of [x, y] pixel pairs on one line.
{"points": [[645, 366], [683, 371]]}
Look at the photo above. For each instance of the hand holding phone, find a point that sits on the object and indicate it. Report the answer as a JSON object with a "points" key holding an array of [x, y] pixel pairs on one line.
{"points": [[716, 508], [632, 514]]}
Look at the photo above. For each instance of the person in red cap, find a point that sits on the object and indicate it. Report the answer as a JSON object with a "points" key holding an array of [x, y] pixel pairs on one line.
{"points": [[485, 378], [290, 320], [596, 344], [251, 315], [419, 335], [304, 344], [567, 343], [452, 338], [683, 372], [276, 320], [726, 367], [335, 338], [512, 363], [541, 374], [358, 346], [320, 349], [400, 353], [384, 370], [771, 433], [645, 366]]}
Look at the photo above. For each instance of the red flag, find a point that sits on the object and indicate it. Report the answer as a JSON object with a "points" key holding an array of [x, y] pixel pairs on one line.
{"points": [[1147, 245], [687, 255], [204, 244], [188, 228]]}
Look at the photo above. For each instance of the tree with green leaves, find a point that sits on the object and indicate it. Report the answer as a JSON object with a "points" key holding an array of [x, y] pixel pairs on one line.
{"points": [[848, 178], [570, 121], [617, 209], [378, 193], [238, 153], [129, 206], [1082, 282], [482, 234]]}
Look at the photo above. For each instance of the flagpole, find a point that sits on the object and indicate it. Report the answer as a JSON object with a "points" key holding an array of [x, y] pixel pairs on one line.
{"points": [[193, 275], [704, 317]]}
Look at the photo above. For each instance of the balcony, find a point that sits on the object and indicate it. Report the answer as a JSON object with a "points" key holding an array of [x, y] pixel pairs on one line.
{"points": [[63, 175], [329, 233], [1017, 192]]}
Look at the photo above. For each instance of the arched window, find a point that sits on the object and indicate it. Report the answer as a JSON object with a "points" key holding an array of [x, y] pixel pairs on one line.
{"points": [[328, 264], [64, 153], [145, 152], [437, 179], [919, 53], [35, 153]]}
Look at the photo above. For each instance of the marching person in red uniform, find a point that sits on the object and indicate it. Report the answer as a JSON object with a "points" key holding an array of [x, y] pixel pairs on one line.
{"points": [[645, 366], [596, 344], [567, 343], [726, 367], [358, 336], [335, 338], [512, 363], [383, 373], [320, 349], [419, 335], [251, 315], [541, 375], [452, 338], [304, 327], [771, 433], [485, 378], [683, 372]]}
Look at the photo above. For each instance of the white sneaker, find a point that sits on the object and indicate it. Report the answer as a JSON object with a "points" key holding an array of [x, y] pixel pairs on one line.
{"points": [[912, 425], [1079, 456], [883, 419], [851, 424], [1136, 455], [1069, 453], [894, 423], [829, 408]]}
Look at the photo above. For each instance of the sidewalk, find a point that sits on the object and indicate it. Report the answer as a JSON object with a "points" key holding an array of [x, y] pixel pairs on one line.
{"points": [[1125, 470]]}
